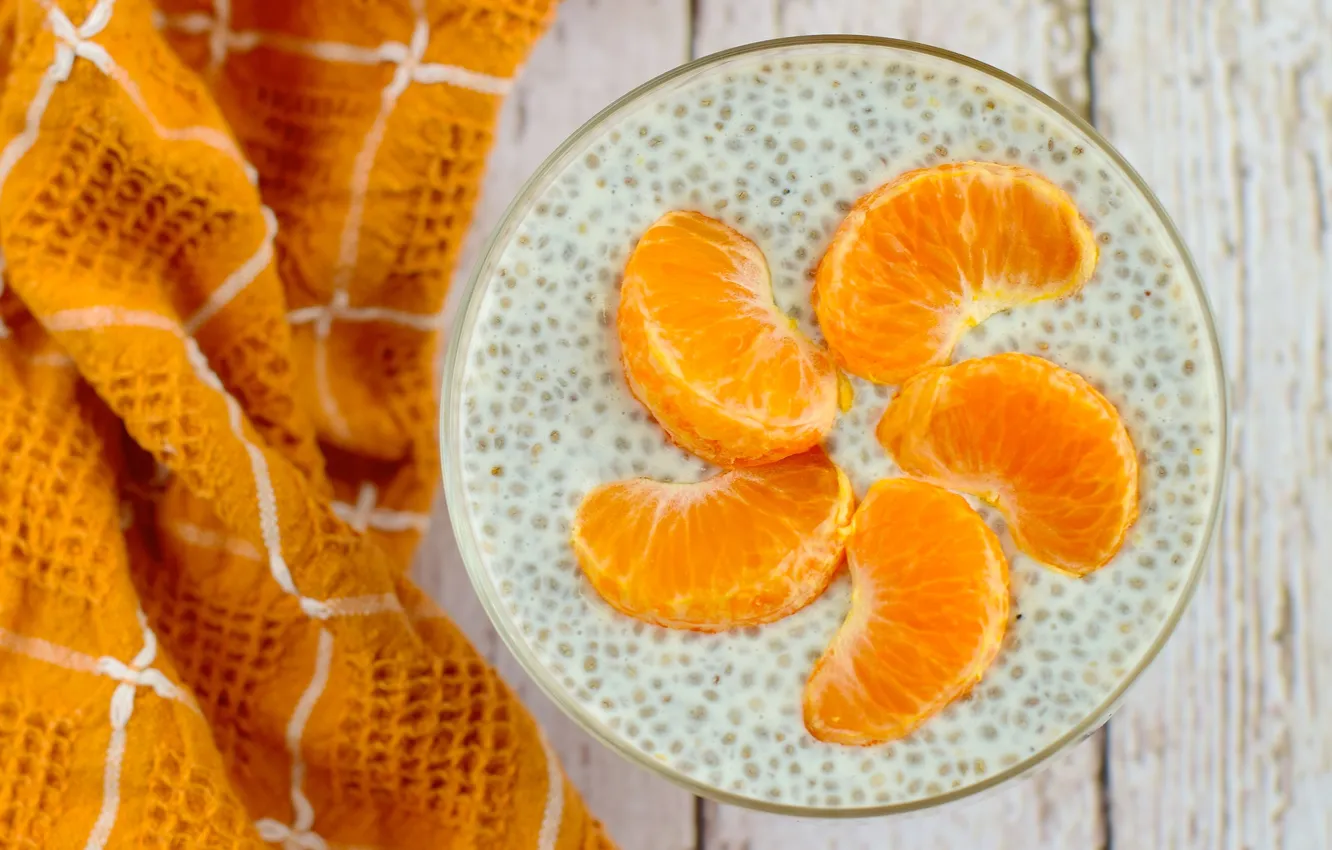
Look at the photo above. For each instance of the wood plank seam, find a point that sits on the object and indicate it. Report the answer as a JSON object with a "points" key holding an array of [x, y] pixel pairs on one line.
{"points": [[1103, 777]]}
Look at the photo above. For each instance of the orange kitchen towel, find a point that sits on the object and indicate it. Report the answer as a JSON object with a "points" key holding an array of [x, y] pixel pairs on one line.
{"points": [[228, 228]]}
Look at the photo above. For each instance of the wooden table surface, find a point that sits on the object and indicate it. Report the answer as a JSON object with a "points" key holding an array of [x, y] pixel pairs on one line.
{"points": [[1225, 106]]}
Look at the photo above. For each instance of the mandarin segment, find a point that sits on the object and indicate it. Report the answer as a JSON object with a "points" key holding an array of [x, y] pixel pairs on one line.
{"points": [[706, 350], [936, 251], [929, 608], [1033, 439], [742, 548]]}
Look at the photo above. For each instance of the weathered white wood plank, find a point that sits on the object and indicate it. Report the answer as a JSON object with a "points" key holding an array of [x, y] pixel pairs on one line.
{"points": [[1225, 106], [583, 63], [1046, 43], [1058, 808], [1042, 41]]}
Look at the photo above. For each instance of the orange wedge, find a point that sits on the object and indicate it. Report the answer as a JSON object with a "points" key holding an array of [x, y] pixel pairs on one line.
{"points": [[1033, 439], [929, 607], [937, 251], [745, 547], [706, 350]]}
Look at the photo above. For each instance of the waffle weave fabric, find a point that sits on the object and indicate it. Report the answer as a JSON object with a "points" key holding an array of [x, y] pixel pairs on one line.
{"points": [[228, 227]]}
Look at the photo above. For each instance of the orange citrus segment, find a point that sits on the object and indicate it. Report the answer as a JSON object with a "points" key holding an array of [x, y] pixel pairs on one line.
{"points": [[745, 547], [929, 607], [936, 251], [1033, 439], [707, 351]]}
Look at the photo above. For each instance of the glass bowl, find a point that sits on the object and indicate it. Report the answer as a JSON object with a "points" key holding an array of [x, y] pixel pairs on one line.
{"points": [[510, 571]]}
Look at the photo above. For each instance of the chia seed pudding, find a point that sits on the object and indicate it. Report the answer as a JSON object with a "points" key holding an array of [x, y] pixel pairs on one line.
{"points": [[778, 143]]}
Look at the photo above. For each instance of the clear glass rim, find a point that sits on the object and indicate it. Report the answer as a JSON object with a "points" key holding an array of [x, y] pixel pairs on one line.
{"points": [[451, 409]]}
